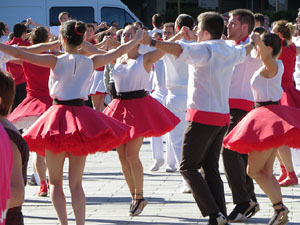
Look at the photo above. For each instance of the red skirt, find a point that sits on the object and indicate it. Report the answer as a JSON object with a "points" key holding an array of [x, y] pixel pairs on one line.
{"points": [[146, 116], [79, 130], [265, 127], [290, 96], [30, 109]]}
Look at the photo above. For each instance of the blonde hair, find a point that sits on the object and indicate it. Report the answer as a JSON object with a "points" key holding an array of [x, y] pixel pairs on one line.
{"points": [[285, 28]]}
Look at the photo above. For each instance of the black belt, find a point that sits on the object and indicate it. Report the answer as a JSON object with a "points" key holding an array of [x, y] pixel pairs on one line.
{"points": [[131, 94], [72, 102], [259, 104]]}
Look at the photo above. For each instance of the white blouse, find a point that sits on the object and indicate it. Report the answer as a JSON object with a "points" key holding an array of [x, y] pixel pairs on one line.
{"points": [[267, 89], [131, 76], [70, 79]]}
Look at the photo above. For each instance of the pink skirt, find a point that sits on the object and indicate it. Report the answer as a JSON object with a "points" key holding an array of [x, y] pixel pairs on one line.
{"points": [[265, 127], [146, 116], [79, 130], [30, 109]]}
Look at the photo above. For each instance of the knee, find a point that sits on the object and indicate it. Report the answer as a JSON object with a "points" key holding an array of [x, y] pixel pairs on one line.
{"points": [[254, 173], [76, 189], [132, 158]]}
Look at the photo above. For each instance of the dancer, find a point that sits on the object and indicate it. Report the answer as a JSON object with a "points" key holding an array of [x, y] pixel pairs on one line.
{"points": [[240, 26], [290, 97], [68, 127], [134, 107], [212, 61], [20, 149], [263, 130]]}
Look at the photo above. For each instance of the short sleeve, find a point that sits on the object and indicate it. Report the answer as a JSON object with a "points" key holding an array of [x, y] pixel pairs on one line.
{"points": [[240, 54], [194, 53]]}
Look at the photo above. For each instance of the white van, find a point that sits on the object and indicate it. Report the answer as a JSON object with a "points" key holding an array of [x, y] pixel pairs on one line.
{"points": [[46, 12]]}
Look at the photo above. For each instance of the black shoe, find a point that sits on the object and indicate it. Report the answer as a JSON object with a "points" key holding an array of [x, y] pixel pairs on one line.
{"points": [[217, 219], [243, 212]]}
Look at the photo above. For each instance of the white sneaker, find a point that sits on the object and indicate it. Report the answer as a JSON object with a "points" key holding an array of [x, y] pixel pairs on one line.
{"points": [[171, 168], [157, 164]]}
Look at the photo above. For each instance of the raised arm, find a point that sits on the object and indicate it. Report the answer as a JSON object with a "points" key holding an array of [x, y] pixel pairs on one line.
{"points": [[166, 47], [38, 59], [267, 59], [101, 60], [89, 49], [41, 47]]}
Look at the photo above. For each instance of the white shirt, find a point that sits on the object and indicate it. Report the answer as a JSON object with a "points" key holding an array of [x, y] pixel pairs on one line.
{"points": [[212, 66], [297, 66], [4, 58], [267, 89], [240, 88], [70, 79], [159, 79], [131, 76], [155, 30], [177, 72]]}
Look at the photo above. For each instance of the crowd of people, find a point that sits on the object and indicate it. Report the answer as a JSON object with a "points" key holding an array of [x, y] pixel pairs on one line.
{"points": [[217, 85]]}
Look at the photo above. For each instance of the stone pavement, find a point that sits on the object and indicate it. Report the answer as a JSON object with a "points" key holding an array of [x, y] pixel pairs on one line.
{"points": [[107, 197]]}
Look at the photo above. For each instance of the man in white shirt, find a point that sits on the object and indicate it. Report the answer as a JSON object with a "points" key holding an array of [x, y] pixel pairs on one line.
{"points": [[211, 64], [241, 24]]}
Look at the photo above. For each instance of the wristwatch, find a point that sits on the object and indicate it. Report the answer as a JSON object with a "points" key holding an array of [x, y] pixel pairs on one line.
{"points": [[153, 42]]}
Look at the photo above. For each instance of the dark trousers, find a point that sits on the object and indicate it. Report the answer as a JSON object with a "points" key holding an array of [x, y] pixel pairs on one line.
{"points": [[235, 165], [20, 95], [201, 148], [14, 216]]}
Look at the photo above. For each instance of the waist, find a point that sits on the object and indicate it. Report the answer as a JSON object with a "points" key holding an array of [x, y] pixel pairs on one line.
{"points": [[259, 104], [72, 102], [131, 94]]}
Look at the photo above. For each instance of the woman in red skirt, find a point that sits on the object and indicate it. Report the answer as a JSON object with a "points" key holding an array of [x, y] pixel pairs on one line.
{"points": [[290, 97], [133, 106], [68, 128], [269, 126]]}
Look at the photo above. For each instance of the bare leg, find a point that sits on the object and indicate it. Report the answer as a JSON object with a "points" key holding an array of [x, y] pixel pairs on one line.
{"points": [[76, 168], [98, 102], [285, 158], [55, 163], [40, 166], [260, 168]]}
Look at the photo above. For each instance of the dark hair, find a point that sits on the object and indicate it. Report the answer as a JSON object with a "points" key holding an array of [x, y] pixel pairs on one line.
{"points": [[19, 29], [213, 23], [63, 13], [39, 35], [245, 17], [170, 25], [274, 41], [184, 20], [73, 31], [90, 25], [260, 18], [285, 28], [127, 24], [157, 20], [260, 30], [2, 29], [7, 93]]}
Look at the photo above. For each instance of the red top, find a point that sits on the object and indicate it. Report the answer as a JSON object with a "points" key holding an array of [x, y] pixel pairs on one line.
{"points": [[16, 70], [288, 58], [37, 78]]}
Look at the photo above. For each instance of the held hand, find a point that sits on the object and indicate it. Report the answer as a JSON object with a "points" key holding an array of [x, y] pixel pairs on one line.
{"points": [[255, 37], [146, 38]]}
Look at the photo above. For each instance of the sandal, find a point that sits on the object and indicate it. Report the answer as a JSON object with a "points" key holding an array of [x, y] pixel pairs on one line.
{"points": [[138, 206], [280, 216], [131, 203]]}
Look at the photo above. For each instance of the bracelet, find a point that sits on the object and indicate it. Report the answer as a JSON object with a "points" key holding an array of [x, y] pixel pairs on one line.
{"points": [[153, 42]]}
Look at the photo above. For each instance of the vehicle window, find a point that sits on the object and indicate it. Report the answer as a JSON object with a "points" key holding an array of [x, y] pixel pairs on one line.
{"points": [[110, 14], [85, 14]]}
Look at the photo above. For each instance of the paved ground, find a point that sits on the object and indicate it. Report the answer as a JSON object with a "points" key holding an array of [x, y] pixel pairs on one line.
{"points": [[107, 197]]}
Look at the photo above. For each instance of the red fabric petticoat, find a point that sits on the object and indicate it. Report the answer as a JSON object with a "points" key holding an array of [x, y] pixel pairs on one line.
{"points": [[265, 127], [146, 116], [290, 96], [29, 110], [79, 130]]}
